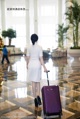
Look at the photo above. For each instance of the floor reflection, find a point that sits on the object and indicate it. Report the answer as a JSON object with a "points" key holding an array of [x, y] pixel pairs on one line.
{"points": [[15, 90]]}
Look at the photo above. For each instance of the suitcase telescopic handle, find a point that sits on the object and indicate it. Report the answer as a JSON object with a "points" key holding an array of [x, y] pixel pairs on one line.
{"points": [[47, 77]]}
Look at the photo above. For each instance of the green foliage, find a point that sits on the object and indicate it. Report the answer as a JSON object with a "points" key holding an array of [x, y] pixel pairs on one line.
{"points": [[73, 15], [4, 33], [76, 11], [10, 33], [62, 34]]}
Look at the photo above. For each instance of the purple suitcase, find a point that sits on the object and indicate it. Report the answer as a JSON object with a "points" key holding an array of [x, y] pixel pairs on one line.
{"points": [[51, 100]]}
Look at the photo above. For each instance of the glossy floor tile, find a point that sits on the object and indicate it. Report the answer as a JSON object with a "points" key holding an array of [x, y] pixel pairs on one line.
{"points": [[16, 99]]}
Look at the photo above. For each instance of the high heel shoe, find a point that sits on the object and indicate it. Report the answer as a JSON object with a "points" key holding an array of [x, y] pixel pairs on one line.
{"points": [[39, 100], [36, 102]]}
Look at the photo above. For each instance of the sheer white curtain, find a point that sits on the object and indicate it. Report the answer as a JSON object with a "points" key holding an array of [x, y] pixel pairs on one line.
{"points": [[15, 19], [47, 23], [20, 40]]}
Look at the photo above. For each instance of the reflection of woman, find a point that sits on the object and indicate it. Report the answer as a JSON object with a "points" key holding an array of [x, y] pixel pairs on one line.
{"points": [[34, 62]]}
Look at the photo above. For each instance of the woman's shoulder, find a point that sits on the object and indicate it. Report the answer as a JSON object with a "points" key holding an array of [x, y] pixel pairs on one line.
{"points": [[39, 46]]}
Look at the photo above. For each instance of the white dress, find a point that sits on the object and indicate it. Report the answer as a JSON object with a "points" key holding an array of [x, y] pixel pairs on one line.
{"points": [[34, 66]]}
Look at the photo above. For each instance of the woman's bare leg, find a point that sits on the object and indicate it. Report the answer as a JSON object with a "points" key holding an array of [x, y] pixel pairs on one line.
{"points": [[34, 93], [37, 89], [34, 89]]}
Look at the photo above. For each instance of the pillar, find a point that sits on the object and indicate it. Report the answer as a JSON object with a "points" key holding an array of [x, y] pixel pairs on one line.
{"points": [[35, 17], [59, 11], [3, 15], [27, 23]]}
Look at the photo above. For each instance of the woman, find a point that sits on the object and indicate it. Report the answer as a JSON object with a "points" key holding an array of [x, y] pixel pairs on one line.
{"points": [[34, 62]]}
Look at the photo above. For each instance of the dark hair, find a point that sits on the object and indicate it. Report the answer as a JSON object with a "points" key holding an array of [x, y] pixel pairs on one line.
{"points": [[34, 38]]}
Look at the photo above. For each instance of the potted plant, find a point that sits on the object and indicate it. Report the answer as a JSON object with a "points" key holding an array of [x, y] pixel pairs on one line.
{"points": [[60, 51], [62, 30], [10, 33], [73, 16]]}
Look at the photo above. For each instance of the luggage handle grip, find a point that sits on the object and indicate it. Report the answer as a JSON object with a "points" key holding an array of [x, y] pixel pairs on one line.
{"points": [[47, 77]]}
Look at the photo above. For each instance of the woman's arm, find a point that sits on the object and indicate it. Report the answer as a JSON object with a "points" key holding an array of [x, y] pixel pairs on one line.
{"points": [[42, 63], [28, 58]]}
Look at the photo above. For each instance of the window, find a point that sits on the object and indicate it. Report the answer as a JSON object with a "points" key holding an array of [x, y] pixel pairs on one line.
{"points": [[47, 10], [47, 22], [20, 40]]}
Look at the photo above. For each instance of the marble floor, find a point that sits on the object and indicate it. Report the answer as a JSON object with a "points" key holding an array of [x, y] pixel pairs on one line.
{"points": [[16, 100]]}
